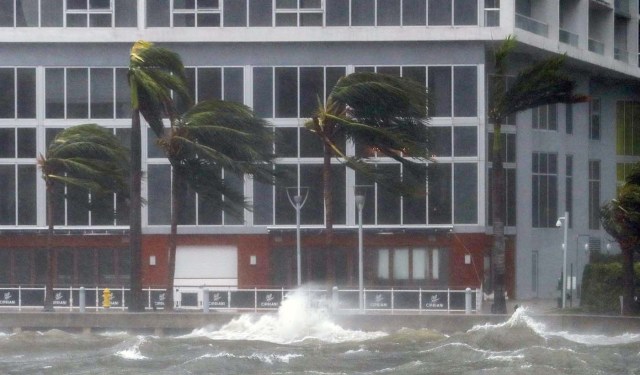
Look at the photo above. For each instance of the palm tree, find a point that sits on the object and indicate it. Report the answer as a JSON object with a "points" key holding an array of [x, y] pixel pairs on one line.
{"points": [[539, 84], [211, 136], [153, 74], [85, 156], [383, 112], [620, 217]]}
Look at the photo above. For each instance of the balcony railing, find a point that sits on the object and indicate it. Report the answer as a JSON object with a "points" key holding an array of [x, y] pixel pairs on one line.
{"points": [[596, 46], [622, 7], [620, 54], [605, 3], [492, 17], [568, 37], [531, 25]]}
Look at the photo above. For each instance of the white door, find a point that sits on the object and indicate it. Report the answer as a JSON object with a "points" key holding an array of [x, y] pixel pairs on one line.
{"points": [[206, 265]]}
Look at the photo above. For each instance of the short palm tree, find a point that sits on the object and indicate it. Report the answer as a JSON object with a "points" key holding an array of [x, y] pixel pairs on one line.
{"points": [[85, 156], [386, 113], [620, 217], [154, 73], [539, 84], [211, 136]]}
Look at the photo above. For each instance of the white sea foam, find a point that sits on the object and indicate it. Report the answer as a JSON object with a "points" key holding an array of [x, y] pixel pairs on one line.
{"points": [[294, 322], [132, 353], [264, 358]]}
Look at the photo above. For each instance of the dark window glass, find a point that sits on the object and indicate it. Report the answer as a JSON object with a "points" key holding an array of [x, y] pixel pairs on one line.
{"points": [[7, 143], [388, 201], [153, 149], [466, 193], [414, 12], [362, 12], [286, 92], [367, 185], [54, 93], [440, 91], [27, 195], [338, 186], [210, 208], [159, 204], [286, 19], [101, 93], [8, 196], [465, 141], [440, 140], [5, 254], [86, 266], [22, 262], [439, 193], [26, 143], [440, 13], [123, 95], [337, 12], [8, 98], [260, 13], [26, 93], [285, 213], [465, 91], [414, 207], [416, 73], [310, 144], [262, 203], [235, 13], [568, 118], [6, 13], [126, 13], [187, 199], [236, 184], [313, 210], [287, 142], [465, 12], [234, 85], [77, 93], [106, 267], [158, 13], [209, 83], [51, 13], [77, 206], [263, 92], [311, 90], [333, 74], [388, 12]]}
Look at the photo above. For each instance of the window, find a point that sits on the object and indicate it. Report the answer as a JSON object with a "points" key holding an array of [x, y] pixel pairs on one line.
{"points": [[18, 87], [545, 117], [628, 128], [465, 193], [568, 193], [81, 93], [594, 111], [492, 13], [198, 13], [452, 12], [568, 120], [594, 194], [544, 190], [299, 13], [94, 13], [406, 264]]}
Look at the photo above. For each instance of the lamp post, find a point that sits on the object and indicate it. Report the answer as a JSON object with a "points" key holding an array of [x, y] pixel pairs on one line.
{"points": [[298, 201], [564, 221], [360, 206]]}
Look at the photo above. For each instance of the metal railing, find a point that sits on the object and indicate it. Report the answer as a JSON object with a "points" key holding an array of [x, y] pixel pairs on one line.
{"points": [[568, 37], [620, 54], [531, 25], [596, 46], [231, 299]]}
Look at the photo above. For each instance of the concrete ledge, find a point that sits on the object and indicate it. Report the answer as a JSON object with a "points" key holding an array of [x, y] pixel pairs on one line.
{"points": [[182, 322]]}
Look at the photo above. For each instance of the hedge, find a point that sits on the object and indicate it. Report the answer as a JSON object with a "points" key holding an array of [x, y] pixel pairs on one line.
{"points": [[602, 287]]}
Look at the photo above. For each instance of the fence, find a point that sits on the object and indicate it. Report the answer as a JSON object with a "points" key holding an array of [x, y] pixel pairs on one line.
{"points": [[232, 299]]}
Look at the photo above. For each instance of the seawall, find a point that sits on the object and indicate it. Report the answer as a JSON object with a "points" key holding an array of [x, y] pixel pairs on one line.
{"points": [[161, 323]]}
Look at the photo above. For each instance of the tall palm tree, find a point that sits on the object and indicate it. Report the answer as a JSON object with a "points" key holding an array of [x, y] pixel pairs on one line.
{"points": [[376, 110], [211, 136], [153, 74], [541, 83], [620, 217], [85, 156]]}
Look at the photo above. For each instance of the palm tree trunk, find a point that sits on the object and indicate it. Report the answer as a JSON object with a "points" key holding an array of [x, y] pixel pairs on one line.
{"points": [[327, 178], [176, 195], [48, 299], [497, 200], [136, 303], [628, 278]]}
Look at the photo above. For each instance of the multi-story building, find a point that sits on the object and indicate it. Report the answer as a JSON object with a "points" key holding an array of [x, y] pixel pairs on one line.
{"points": [[63, 62]]}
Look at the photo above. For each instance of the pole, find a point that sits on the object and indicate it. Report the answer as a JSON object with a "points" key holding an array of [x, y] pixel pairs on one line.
{"points": [[564, 260], [360, 205], [298, 199]]}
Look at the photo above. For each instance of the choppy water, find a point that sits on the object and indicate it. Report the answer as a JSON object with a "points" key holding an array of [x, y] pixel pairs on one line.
{"points": [[297, 340]]}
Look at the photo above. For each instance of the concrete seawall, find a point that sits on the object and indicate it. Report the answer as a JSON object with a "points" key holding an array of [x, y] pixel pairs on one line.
{"points": [[160, 323]]}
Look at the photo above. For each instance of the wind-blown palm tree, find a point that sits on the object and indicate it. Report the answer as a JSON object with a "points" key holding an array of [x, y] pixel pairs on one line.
{"points": [[211, 136], [154, 72], [85, 156], [379, 111], [539, 84], [620, 217]]}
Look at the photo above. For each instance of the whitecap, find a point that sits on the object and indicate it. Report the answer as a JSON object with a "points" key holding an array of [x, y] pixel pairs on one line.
{"points": [[264, 358], [132, 353]]}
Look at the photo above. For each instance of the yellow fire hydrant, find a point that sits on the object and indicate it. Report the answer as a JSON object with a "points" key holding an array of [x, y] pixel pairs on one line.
{"points": [[106, 298]]}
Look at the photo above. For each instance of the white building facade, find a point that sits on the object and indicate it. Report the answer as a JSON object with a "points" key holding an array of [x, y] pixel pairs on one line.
{"points": [[63, 62]]}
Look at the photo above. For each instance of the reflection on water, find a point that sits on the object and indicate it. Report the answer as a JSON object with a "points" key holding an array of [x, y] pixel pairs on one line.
{"points": [[299, 340]]}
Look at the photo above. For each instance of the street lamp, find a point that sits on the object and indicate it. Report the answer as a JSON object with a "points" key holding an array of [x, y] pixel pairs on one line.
{"points": [[360, 206], [297, 201], [564, 221]]}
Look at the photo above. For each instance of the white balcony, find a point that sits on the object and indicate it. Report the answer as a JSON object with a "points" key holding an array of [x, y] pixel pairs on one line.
{"points": [[531, 25], [567, 37]]}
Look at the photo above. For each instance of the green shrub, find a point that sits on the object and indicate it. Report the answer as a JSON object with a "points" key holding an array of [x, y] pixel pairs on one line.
{"points": [[602, 287]]}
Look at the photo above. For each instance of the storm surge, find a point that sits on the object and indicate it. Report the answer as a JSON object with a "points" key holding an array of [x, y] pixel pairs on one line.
{"points": [[301, 339]]}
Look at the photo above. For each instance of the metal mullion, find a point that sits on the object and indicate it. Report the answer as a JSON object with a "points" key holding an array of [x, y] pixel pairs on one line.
{"points": [[222, 70], [89, 92], [15, 97], [64, 86]]}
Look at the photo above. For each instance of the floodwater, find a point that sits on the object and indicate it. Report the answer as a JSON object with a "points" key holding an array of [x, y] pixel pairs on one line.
{"points": [[297, 340]]}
